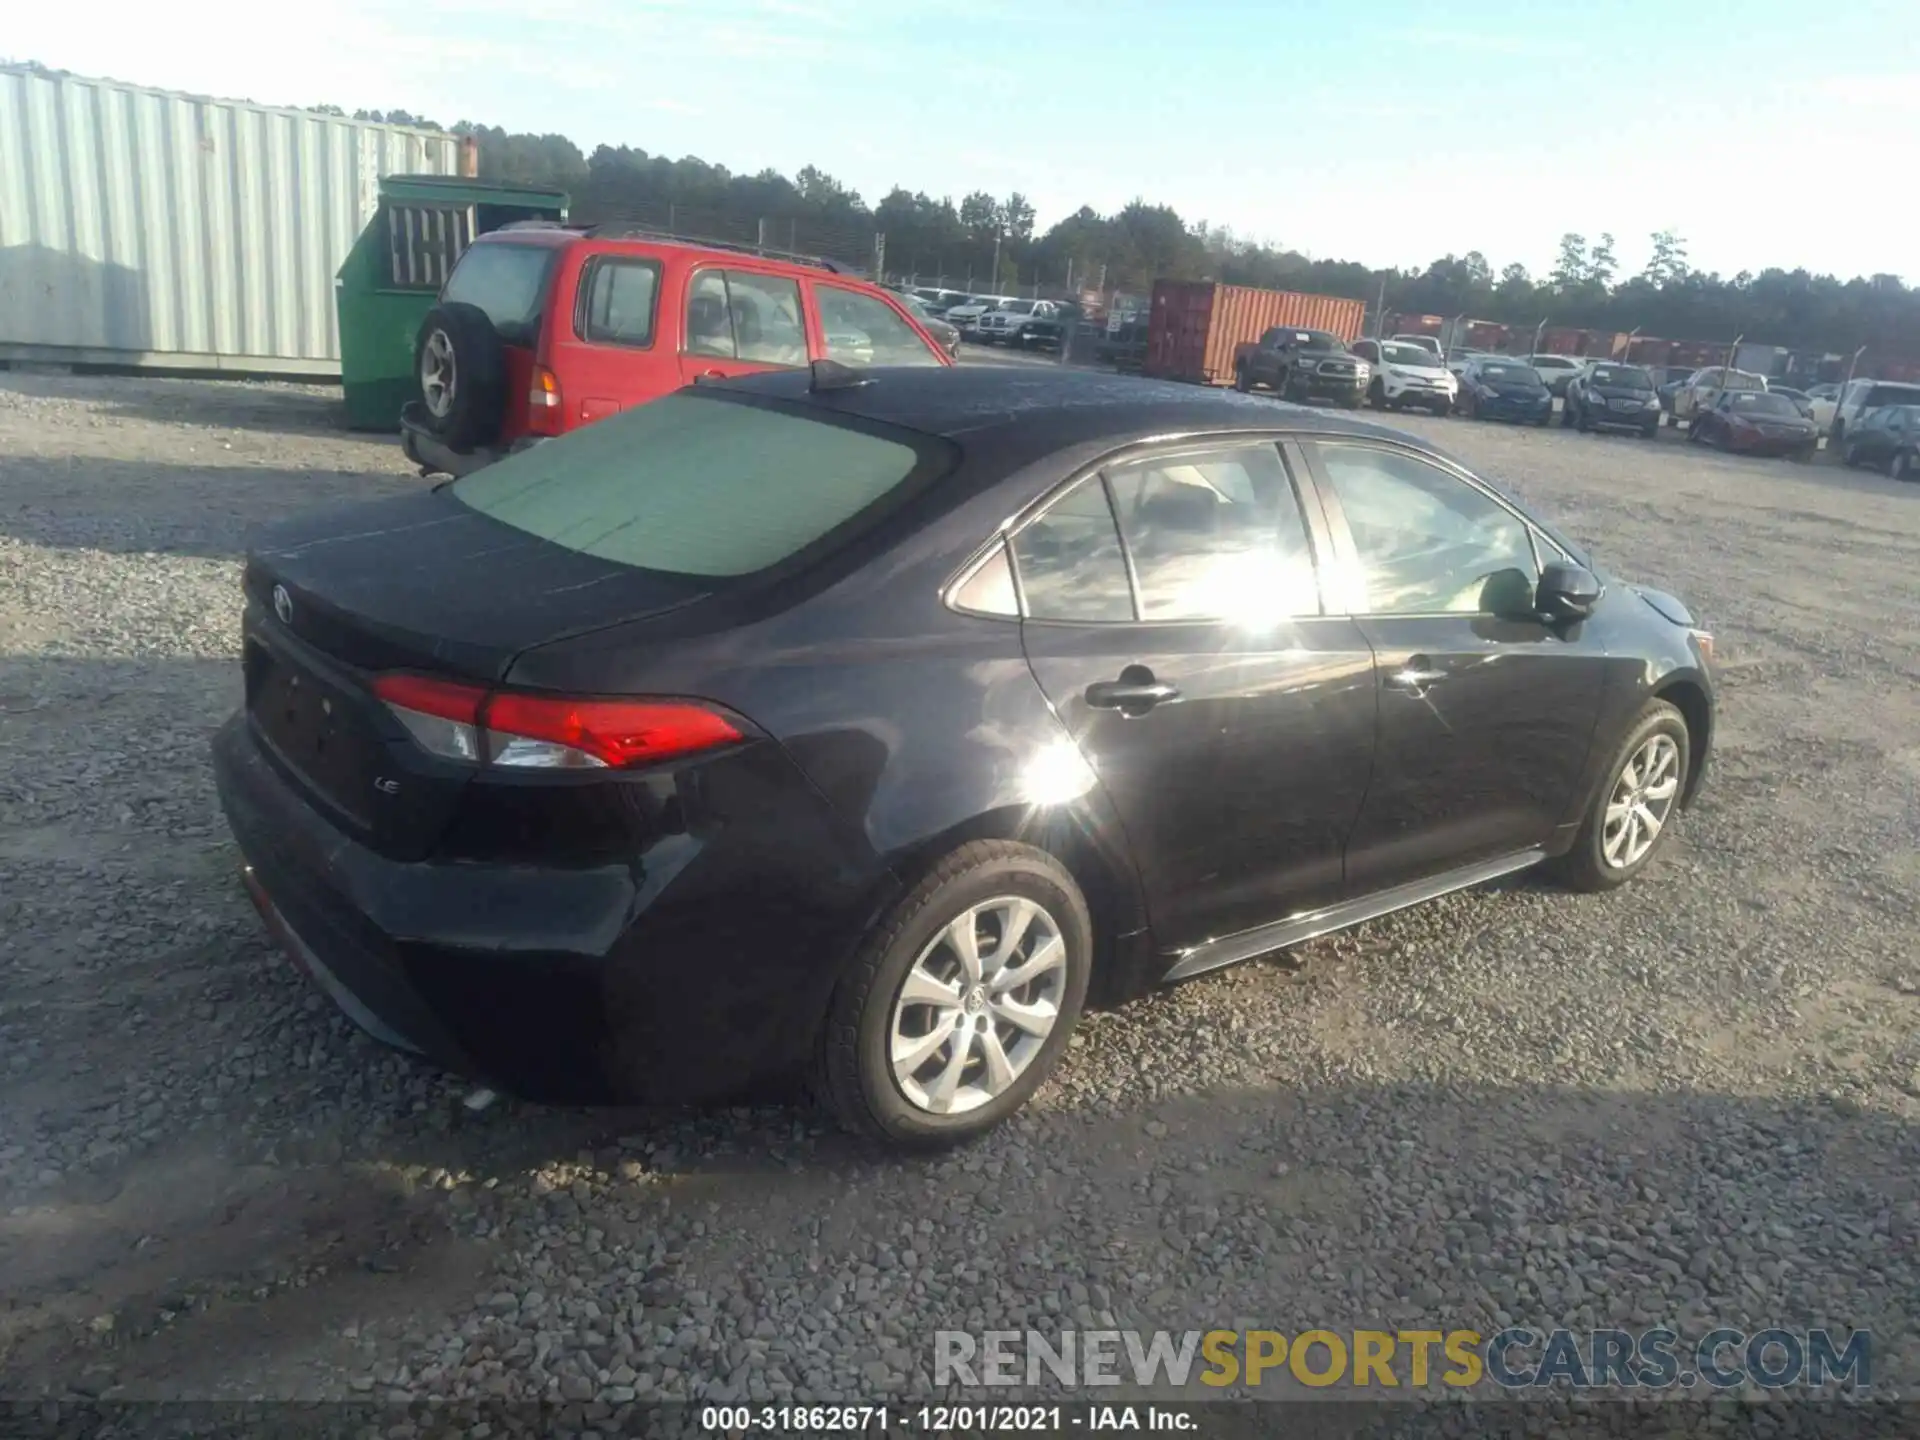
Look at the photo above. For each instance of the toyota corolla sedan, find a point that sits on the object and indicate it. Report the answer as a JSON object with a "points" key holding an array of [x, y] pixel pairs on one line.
{"points": [[870, 725], [1494, 387]]}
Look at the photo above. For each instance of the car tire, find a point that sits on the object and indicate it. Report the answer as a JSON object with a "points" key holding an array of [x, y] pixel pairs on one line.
{"points": [[1377, 395], [460, 368], [1441, 409], [1695, 433], [1650, 432], [1837, 437], [1594, 862], [1566, 417], [1850, 455], [1900, 467], [855, 1070], [1240, 381]]}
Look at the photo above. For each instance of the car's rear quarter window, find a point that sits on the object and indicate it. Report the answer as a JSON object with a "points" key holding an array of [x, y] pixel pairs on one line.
{"points": [[699, 485]]}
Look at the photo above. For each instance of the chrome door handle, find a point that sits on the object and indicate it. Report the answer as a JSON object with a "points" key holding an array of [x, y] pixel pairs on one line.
{"points": [[1132, 697], [1415, 676]]}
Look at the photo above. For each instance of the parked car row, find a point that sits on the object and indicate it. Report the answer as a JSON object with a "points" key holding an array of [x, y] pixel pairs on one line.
{"points": [[998, 319]]}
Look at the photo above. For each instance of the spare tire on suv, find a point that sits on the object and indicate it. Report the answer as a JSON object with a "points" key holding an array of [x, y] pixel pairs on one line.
{"points": [[458, 360]]}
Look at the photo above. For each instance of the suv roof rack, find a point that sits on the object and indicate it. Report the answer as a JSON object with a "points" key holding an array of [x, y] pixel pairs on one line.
{"points": [[626, 230]]}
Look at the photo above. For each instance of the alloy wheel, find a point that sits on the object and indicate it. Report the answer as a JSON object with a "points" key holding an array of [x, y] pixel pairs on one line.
{"points": [[1643, 798], [437, 374], [977, 1005]]}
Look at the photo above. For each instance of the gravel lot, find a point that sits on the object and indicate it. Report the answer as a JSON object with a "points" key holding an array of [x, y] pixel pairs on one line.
{"points": [[1693, 1102]]}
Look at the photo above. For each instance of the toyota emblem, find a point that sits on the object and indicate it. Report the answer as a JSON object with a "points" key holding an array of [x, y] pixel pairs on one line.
{"points": [[283, 604]]}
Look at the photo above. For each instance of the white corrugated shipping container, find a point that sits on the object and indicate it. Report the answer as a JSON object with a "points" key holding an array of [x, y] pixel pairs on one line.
{"points": [[164, 231]]}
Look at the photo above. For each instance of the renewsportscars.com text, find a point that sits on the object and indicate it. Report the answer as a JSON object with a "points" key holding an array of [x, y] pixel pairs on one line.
{"points": [[1514, 1359]]}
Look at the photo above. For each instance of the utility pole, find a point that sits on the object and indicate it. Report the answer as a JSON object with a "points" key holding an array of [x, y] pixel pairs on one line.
{"points": [[1380, 312], [996, 259]]}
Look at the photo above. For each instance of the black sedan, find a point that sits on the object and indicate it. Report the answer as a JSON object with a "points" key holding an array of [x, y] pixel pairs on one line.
{"points": [[1612, 397], [1887, 438], [1494, 387], [867, 725]]}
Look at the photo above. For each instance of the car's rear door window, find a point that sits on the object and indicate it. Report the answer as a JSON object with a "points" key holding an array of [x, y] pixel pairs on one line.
{"points": [[1215, 535], [1070, 563], [744, 315], [508, 282], [697, 484]]}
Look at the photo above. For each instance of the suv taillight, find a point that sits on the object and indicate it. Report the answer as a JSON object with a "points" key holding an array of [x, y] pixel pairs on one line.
{"points": [[531, 731], [543, 402]]}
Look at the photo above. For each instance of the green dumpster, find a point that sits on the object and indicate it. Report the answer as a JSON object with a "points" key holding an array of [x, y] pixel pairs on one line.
{"points": [[396, 268]]}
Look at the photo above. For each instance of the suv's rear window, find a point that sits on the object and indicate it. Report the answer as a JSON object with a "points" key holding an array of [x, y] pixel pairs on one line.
{"points": [[696, 485], [509, 282]]}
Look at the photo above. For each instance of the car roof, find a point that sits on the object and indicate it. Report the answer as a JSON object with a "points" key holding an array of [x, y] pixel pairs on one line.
{"points": [[1020, 414]]}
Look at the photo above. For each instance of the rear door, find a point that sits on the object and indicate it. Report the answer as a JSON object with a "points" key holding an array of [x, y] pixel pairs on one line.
{"points": [[1174, 619], [1486, 714], [737, 320], [605, 344]]}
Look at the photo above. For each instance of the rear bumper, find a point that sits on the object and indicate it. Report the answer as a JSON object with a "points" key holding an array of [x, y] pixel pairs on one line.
{"points": [[688, 971], [435, 457]]}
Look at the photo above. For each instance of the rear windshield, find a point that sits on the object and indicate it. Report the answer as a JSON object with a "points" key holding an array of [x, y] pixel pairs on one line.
{"points": [[509, 282], [1890, 395], [1554, 362], [1624, 377], [697, 485], [1514, 374]]}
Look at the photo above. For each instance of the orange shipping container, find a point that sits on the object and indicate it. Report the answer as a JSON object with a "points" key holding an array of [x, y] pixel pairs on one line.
{"points": [[1196, 325]]}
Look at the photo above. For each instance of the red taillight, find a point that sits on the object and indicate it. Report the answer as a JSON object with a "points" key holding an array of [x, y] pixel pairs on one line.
{"points": [[442, 716], [440, 698], [543, 402], [548, 732], [525, 730]]}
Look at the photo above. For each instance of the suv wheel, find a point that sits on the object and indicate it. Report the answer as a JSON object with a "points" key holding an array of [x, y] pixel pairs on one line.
{"points": [[462, 373], [961, 1002]]}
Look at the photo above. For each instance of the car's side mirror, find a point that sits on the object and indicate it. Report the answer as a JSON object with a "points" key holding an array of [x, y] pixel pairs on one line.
{"points": [[1567, 592]]}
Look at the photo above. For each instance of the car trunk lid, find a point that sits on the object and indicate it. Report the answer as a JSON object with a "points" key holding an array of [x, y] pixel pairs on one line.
{"points": [[418, 584]]}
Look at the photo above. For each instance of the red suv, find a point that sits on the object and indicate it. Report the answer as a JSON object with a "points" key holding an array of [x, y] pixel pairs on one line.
{"points": [[541, 329]]}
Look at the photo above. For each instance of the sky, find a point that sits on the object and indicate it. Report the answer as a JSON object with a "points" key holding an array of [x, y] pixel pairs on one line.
{"points": [[1373, 130]]}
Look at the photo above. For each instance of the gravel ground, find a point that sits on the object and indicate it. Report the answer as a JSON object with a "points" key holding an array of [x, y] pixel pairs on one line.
{"points": [[1693, 1102]]}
